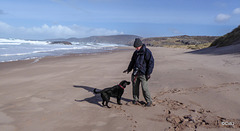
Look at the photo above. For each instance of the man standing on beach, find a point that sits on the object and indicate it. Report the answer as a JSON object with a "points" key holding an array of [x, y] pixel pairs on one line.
{"points": [[142, 64]]}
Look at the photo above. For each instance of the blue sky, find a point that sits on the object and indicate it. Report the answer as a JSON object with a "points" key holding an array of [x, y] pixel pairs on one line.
{"points": [[44, 19]]}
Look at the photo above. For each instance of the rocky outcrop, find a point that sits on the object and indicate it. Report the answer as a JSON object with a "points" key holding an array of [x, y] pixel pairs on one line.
{"points": [[61, 42]]}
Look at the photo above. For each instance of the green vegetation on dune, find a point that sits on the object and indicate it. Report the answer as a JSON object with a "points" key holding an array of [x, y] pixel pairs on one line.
{"points": [[193, 47], [187, 42], [228, 39]]}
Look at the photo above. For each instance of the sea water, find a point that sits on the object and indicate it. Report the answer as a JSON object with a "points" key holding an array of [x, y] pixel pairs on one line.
{"points": [[17, 49]]}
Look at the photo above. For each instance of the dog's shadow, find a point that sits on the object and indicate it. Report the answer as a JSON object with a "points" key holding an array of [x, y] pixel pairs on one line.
{"points": [[96, 98]]}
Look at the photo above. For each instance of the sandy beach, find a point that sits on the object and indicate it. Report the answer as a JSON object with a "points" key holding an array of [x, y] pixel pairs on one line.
{"points": [[189, 91]]}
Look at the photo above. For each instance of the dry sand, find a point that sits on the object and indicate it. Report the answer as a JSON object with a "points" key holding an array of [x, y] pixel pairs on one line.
{"points": [[189, 91]]}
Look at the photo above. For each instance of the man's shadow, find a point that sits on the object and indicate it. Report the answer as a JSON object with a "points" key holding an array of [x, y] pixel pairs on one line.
{"points": [[96, 98]]}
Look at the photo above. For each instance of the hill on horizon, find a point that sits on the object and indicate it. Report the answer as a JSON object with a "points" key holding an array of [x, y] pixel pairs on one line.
{"points": [[115, 39], [184, 41]]}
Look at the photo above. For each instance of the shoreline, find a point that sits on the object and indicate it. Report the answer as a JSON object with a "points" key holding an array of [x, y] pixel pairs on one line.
{"points": [[33, 51], [35, 60]]}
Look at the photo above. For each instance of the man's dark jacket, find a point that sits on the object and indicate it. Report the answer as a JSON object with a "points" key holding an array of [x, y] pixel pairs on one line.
{"points": [[143, 60]]}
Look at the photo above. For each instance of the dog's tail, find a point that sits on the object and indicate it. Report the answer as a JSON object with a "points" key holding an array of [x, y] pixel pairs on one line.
{"points": [[96, 91]]}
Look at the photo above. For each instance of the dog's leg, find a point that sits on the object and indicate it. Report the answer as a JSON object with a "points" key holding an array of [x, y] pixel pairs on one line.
{"points": [[103, 102], [103, 99], [119, 100], [108, 99]]}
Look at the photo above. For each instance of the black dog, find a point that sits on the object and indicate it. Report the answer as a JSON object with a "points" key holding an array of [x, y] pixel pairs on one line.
{"points": [[115, 91]]}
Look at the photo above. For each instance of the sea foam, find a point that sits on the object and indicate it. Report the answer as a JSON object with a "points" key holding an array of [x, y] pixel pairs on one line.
{"points": [[18, 49]]}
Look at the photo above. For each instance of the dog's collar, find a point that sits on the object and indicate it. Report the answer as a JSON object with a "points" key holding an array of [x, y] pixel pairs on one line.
{"points": [[121, 86]]}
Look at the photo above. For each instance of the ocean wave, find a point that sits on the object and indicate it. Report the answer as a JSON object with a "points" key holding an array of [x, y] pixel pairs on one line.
{"points": [[20, 42], [41, 51], [17, 49]]}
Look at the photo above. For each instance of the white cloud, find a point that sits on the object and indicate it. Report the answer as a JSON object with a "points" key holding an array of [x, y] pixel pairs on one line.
{"points": [[221, 18], [55, 31], [236, 11]]}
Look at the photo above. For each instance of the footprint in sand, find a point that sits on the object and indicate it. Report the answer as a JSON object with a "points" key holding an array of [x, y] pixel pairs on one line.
{"points": [[194, 118], [172, 104]]}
